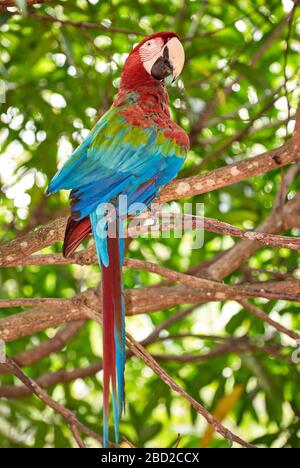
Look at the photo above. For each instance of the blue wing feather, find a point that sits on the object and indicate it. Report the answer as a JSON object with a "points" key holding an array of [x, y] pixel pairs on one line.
{"points": [[116, 158]]}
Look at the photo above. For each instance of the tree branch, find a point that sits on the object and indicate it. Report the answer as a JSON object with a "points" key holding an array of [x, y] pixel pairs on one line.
{"points": [[68, 415], [140, 352], [193, 222], [143, 301], [86, 25], [263, 316], [138, 301], [281, 219], [229, 345], [49, 379], [52, 378], [31, 356], [230, 174], [10, 3]]}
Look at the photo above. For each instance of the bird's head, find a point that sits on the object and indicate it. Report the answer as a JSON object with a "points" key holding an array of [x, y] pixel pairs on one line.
{"points": [[155, 59]]}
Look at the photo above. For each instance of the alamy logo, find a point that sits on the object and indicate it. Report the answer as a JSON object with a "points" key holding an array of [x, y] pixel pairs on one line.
{"points": [[124, 220], [296, 354], [2, 352], [2, 92]]}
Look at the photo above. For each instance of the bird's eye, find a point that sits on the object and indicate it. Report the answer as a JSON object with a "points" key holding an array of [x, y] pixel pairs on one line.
{"points": [[148, 44]]}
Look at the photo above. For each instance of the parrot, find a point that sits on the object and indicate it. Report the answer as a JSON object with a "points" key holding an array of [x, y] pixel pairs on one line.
{"points": [[133, 151]]}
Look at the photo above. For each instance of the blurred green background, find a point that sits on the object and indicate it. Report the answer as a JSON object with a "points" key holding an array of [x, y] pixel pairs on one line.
{"points": [[60, 78]]}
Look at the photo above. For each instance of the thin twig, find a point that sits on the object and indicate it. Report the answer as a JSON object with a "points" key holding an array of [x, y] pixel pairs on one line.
{"points": [[140, 352], [68, 415], [214, 102], [31, 356], [84, 25], [285, 64], [263, 316]]}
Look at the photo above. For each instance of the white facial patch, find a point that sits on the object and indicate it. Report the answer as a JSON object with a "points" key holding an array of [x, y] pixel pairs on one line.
{"points": [[150, 52], [153, 49]]}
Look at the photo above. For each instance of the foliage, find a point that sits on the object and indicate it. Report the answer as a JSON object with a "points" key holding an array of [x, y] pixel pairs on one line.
{"points": [[60, 79]]}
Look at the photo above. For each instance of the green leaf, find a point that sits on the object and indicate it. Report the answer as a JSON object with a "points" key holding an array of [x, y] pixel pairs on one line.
{"points": [[4, 18], [148, 432], [253, 75], [267, 439]]}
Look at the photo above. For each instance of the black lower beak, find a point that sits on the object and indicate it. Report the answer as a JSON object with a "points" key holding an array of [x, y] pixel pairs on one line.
{"points": [[162, 67]]}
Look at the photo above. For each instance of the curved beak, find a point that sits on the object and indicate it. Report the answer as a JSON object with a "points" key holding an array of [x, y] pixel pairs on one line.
{"points": [[171, 62]]}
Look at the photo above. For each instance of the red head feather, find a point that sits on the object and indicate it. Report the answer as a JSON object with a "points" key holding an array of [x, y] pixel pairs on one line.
{"points": [[165, 36], [134, 74]]}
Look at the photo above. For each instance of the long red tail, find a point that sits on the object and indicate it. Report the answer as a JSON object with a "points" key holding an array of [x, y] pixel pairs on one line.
{"points": [[113, 336], [113, 312]]}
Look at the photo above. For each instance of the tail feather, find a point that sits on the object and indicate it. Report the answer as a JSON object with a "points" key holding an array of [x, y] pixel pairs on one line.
{"points": [[109, 347], [76, 232], [113, 311], [119, 321]]}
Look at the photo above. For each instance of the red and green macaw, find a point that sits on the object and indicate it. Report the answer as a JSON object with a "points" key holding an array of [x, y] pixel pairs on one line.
{"points": [[133, 150]]}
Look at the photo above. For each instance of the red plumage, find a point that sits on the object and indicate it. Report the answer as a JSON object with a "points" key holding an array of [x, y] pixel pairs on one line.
{"points": [[134, 74], [76, 232], [113, 335], [108, 313]]}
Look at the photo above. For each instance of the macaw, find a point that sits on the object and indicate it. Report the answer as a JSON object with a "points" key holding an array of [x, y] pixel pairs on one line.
{"points": [[133, 150]]}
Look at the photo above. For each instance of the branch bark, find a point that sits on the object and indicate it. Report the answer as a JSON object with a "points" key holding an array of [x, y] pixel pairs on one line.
{"points": [[10, 3], [193, 222], [228, 345], [31, 356], [138, 301], [231, 174]]}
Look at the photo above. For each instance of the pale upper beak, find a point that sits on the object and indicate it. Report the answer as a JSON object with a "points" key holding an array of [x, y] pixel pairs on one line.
{"points": [[176, 56], [168, 62]]}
